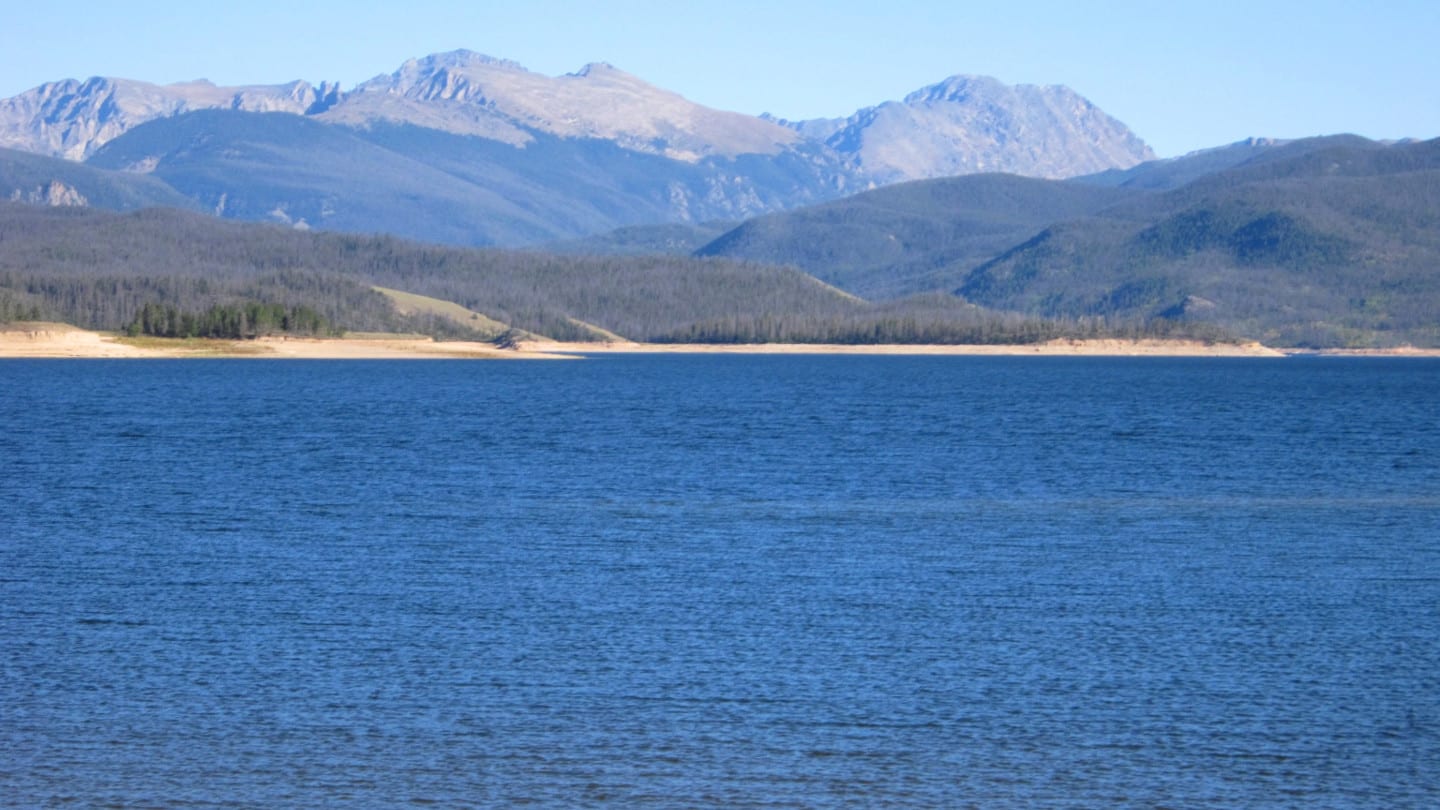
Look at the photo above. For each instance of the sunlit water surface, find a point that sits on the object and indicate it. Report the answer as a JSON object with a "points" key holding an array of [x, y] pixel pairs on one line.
{"points": [[720, 581]]}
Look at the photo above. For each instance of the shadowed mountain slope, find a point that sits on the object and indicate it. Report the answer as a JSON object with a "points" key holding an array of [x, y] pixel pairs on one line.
{"points": [[894, 241], [40, 180]]}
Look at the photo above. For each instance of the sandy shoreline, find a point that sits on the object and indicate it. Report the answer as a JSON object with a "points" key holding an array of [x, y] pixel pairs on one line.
{"points": [[1097, 348], [61, 340]]}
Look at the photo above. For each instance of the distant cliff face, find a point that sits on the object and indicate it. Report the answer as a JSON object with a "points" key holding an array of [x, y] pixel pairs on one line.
{"points": [[54, 193], [71, 119]]}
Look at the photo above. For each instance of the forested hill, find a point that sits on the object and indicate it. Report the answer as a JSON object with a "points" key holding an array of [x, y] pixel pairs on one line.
{"points": [[1332, 246], [1322, 242], [1333, 242], [102, 270]]}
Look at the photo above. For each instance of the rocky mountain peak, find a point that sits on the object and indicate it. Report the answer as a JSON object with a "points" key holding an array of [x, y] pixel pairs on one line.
{"points": [[598, 69], [957, 89], [73, 118], [478, 95], [972, 124], [962, 124], [460, 58]]}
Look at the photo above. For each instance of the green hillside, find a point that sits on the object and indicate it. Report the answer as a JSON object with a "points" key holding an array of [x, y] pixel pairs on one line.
{"points": [[1333, 247], [104, 270], [1321, 242]]}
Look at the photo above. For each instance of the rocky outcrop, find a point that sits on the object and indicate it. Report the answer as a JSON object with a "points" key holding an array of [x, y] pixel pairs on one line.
{"points": [[55, 193]]}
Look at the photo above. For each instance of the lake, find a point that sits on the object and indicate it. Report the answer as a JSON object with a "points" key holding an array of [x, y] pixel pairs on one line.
{"points": [[729, 581]]}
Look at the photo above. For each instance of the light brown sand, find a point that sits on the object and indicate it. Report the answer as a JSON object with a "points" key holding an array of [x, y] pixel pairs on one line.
{"points": [[61, 340], [386, 349], [1119, 348], [36, 339]]}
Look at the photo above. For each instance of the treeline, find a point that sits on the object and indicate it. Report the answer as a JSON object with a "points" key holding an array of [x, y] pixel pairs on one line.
{"points": [[233, 322], [912, 323], [149, 270]]}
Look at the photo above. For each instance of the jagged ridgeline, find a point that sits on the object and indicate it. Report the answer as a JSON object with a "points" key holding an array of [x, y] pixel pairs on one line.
{"points": [[103, 270], [464, 149]]}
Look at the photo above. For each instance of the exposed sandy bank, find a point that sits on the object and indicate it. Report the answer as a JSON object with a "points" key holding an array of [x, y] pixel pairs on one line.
{"points": [[61, 340], [398, 349], [35, 339], [1116, 348]]}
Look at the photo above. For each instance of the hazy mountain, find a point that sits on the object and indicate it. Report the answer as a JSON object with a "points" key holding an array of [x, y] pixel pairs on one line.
{"points": [[1172, 173], [467, 93], [976, 124], [71, 118], [436, 186], [528, 157]]}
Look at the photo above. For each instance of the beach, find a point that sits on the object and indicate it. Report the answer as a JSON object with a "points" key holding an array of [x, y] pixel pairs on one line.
{"points": [[36, 339], [62, 340]]}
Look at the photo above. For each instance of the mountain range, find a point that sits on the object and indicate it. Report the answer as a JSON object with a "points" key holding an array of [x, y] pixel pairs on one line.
{"points": [[466, 149], [966, 210]]}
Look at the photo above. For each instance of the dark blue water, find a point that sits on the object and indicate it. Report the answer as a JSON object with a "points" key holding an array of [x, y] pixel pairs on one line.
{"points": [[720, 581]]}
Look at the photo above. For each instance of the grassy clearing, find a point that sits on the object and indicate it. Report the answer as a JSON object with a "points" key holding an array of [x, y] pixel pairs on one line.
{"points": [[597, 333], [411, 304]]}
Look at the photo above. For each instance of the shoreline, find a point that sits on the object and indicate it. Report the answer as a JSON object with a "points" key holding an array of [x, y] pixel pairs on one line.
{"points": [[54, 340], [1107, 347], [36, 340]]}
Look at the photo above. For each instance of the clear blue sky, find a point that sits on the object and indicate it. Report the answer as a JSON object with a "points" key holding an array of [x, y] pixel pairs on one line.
{"points": [[1183, 75]]}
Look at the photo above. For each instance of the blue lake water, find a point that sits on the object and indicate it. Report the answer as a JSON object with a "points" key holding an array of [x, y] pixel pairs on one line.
{"points": [[720, 581]]}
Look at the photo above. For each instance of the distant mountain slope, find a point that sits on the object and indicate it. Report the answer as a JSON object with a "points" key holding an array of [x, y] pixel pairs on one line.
{"points": [[467, 93], [1173, 173], [39, 180], [893, 241], [975, 124], [434, 186], [292, 170], [71, 119]]}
